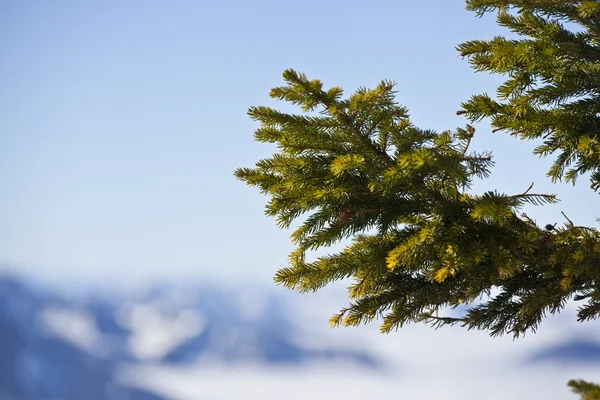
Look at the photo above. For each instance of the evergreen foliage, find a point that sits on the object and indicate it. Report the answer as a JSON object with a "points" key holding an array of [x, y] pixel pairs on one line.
{"points": [[358, 168], [552, 82], [587, 391], [421, 242]]}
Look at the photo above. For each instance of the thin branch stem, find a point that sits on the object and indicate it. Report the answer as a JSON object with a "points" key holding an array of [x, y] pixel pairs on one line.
{"points": [[567, 218]]}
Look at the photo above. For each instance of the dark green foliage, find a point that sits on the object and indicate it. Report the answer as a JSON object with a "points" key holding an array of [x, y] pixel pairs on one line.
{"points": [[587, 391], [357, 168], [552, 87]]}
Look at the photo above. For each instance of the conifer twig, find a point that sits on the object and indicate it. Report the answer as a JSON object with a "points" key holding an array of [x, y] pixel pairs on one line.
{"points": [[569, 220]]}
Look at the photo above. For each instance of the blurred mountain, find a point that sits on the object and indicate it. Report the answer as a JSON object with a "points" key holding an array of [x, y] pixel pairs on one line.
{"points": [[36, 364], [573, 352], [71, 348]]}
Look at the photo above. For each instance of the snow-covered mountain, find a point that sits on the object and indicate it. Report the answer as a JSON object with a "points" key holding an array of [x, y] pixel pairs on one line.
{"points": [[47, 351], [185, 341], [71, 347]]}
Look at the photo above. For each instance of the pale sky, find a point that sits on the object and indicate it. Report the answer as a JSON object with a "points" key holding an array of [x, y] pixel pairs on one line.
{"points": [[121, 124]]}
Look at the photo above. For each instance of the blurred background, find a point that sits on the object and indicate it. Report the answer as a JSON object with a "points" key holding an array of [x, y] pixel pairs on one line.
{"points": [[133, 266]]}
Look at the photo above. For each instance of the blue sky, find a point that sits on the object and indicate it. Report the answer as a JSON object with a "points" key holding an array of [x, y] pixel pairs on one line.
{"points": [[121, 124]]}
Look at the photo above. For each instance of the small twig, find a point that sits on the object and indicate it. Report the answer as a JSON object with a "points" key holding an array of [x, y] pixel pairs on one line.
{"points": [[439, 321], [467, 145], [570, 222], [527, 194], [468, 158], [528, 189]]}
